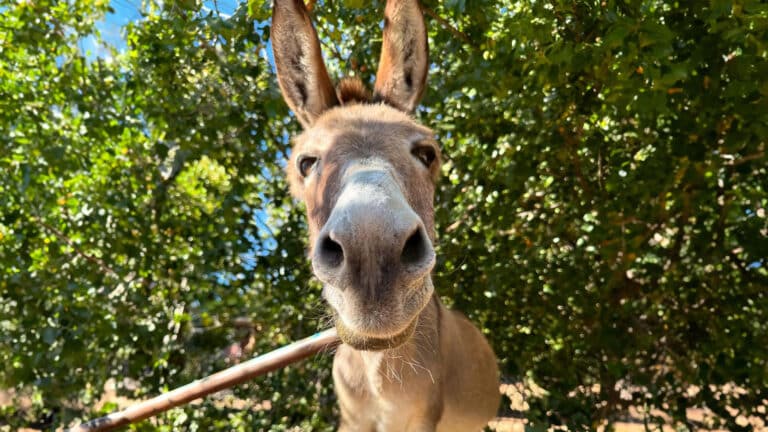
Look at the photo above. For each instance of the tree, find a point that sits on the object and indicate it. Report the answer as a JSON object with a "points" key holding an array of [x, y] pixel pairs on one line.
{"points": [[602, 214]]}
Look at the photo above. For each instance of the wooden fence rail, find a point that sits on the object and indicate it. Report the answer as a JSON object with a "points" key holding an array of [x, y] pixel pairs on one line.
{"points": [[221, 380]]}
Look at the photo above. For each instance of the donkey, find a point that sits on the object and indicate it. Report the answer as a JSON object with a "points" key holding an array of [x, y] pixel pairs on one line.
{"points": [[366, 172]]}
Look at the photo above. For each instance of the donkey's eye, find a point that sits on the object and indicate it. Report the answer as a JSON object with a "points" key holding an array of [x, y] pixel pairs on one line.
{"points": [[305, 164], [426, 154]]}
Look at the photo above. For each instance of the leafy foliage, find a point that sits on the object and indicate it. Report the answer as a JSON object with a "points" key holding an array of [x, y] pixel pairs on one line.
{"points": [[602, 214]]}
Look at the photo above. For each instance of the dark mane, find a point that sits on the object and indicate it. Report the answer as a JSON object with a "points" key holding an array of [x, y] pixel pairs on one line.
{"points": [[351, 90]]}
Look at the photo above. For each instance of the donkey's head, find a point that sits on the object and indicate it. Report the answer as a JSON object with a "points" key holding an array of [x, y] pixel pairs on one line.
{"points": [[366, 171]]}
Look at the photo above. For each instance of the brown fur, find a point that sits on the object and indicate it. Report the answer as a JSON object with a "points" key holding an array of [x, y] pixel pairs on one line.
{"points": [[402, 74], [358, 132], [352, 90], [303, 77], [408, 363]]}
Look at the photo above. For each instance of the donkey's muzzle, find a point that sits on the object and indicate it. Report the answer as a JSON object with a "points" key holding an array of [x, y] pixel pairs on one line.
{"points": [[335, 253], [374, 253]]}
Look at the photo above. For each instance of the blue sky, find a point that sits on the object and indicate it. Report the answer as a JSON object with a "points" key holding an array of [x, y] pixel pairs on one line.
{"points": [[126, 11]]}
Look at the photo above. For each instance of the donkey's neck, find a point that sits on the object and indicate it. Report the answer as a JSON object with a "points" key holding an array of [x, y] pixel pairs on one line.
{"points": [[416, 357]]}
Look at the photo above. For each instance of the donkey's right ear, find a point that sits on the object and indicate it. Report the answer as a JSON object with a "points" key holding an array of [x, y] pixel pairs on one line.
{"points": [[402, 74], [301, 71]]}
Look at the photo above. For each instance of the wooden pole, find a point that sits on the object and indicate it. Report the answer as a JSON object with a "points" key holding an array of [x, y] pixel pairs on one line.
{"points": [[221, 380]]}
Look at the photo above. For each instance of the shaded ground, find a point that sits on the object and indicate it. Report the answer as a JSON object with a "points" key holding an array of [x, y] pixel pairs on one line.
{"points": [[633, 422]]}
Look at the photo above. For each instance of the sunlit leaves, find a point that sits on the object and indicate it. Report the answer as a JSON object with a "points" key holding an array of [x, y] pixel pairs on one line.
{"points": [[129, 184], [602, 213]]}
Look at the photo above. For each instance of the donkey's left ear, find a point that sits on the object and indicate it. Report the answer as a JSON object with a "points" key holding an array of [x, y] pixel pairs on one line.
{"points": [[301, 71], [402, 74]]}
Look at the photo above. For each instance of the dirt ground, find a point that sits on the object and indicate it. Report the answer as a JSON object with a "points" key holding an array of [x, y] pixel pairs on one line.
{"points": [[516, 393], [633, 422]]}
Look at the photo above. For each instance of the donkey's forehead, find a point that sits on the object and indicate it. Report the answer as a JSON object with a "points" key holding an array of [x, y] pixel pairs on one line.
{"points": [[361, 125]]}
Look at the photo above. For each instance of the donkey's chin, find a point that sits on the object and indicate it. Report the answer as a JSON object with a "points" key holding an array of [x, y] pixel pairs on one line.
{"points": [[391, 330], [364, 342]]}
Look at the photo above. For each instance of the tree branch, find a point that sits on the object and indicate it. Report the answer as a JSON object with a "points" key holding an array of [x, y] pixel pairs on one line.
{"points": [[747, 158], [334, 52], [105, 269], [447, 25]]}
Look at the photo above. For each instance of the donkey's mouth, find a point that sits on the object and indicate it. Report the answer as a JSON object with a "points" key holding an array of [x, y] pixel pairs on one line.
{"points": [[388, 325], [363, 342]]}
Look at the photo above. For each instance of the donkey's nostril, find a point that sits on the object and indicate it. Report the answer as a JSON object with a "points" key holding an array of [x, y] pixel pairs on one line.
{"points": [[330, 253], [415, 249]]}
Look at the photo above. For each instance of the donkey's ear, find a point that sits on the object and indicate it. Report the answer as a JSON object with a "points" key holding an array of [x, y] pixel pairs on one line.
{"points": [[301, 72], [402, 74]]}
